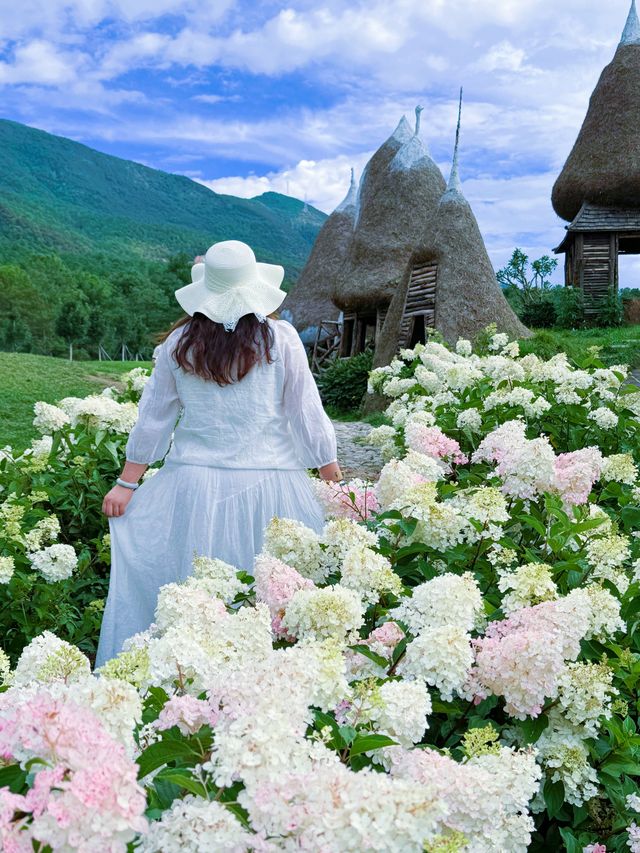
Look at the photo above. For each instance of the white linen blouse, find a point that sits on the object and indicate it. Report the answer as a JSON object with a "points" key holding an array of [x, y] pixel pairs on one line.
{"points": [[272, 418]]}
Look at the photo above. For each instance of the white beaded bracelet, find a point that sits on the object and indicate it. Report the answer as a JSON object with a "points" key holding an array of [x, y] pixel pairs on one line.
{"points": [[132, 486]]}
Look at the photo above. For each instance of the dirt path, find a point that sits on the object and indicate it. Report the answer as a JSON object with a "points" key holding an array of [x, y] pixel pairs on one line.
{"points": [[356, 459]]}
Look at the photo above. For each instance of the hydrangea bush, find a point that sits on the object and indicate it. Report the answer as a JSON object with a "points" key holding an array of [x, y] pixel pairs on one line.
{"points": [[54, 550], [451, 665]]}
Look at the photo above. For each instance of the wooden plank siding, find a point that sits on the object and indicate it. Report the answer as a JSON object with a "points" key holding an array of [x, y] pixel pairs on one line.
{"points": [[420, 303]]}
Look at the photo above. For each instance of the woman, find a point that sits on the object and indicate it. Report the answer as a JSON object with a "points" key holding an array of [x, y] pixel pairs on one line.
{"points": [[251, 422]]}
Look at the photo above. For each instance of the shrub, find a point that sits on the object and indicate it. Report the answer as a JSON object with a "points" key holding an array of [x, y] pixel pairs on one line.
{"points": [[344, 383], [569, 308], [539, 315]]}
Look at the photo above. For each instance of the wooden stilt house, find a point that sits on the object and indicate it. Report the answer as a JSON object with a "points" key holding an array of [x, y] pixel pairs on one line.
{"points": [[598, 190]]}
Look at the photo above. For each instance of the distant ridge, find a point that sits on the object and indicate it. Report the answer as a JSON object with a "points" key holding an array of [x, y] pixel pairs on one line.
{"points": [[59, 196]]}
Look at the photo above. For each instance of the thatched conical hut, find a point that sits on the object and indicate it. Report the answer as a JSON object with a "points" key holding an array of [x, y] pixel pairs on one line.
{"points": [[397, 199], [598, 189], [603, 167], [309, 302], [398, 195], [449, 281]]}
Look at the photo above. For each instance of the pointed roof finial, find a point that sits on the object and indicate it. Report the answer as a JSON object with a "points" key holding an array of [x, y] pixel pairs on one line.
{"points": [[454, 185], [631, 32], [350, 199], [418, 111]]}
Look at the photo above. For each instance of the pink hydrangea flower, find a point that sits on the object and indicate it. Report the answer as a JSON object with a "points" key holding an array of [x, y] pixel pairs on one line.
{"points": [[355, 500], [521, 658], [431, 441], [84, 793], [276, 583], [187, 713], [575, 473]]}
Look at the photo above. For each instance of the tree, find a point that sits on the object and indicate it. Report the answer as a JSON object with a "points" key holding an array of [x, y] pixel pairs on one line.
{"points": [[72, 323], [531, 284]]}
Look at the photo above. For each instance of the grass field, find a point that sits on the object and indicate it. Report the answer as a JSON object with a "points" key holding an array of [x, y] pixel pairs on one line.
{"points": [[26, 378]]}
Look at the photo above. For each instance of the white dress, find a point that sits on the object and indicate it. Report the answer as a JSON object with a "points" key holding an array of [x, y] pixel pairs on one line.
{"points": [[238, 458]]}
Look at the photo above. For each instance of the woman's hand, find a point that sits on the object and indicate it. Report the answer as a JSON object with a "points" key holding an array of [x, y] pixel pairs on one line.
{"points": [[115, 502], [330, 472]]}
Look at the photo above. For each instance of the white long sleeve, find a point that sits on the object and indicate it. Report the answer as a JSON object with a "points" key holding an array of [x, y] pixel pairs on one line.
{"points": [[311, 429], [158, 411]]}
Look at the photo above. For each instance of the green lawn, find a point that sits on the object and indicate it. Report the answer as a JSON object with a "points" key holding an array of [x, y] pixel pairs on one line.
{"points": [[26, 378], [619, 345]]}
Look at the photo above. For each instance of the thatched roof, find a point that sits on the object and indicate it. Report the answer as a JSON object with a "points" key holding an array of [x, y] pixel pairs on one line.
{"points": [[468, 296], [604, 166], [310, 299], [398, 195]]}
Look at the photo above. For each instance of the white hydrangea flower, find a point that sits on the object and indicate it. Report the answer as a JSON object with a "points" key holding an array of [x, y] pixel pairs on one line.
{"points": [[565, 758], [604, 418], [99, 412], [427, 379], [396, 387], [527, 585], [49, 418], [619, 468], [463, 347], [5, 668], [55, 563], [332, 612], [339, 536], [47, 659], [369, 574], [137, 378], [7, 568], [297, 546], [442, 656], [398, 709], [485, 504], [446, 600], [45, 530], [470, 419], [115, 702], [220, 578], [196, 825], [585, 691], [633, 803]]}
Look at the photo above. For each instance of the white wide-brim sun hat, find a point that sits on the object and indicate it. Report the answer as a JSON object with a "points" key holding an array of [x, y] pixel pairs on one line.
{"points": [[232, 285]]}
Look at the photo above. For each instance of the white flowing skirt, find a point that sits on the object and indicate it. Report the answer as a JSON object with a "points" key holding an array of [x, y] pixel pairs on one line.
{"points": [[185, 510]]}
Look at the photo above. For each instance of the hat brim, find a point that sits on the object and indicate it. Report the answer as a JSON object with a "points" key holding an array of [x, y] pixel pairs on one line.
{"points": [[261, 297]]}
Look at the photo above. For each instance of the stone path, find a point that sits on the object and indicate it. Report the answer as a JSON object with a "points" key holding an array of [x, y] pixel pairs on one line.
{"points": [[635, 377], [355, 458]]}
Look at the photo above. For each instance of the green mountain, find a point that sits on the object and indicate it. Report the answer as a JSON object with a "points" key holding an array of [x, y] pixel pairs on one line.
{"points": [[92, 247], [59, 196]]}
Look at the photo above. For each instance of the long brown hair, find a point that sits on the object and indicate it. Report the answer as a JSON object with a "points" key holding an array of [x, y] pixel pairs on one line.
{"points": [[207, 350]]}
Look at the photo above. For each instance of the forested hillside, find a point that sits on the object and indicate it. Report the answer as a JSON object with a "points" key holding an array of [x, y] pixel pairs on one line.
{"points": [[92, 246]]}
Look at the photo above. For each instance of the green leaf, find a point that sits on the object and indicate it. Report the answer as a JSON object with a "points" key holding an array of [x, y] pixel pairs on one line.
{"points": [[161, 753], [399, 651], [348, 734], [368, 743], [183, 780], [533, 522], [366, 651], [570, 841], [532, 729], [553, 797], [13, 777]]}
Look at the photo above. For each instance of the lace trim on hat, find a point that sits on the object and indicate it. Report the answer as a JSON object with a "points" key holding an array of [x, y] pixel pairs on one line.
{"points": [[230, 325]]}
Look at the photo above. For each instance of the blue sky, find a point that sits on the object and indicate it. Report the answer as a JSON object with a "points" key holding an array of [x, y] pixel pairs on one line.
{"points": [[251, 96]]}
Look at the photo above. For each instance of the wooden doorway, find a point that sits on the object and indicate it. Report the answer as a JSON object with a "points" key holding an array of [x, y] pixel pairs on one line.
{"points": [[420, 306]]}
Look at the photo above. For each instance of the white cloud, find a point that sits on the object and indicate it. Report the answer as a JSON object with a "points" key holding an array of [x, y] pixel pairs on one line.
{"points": [[40, 62], [322, 183]]}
